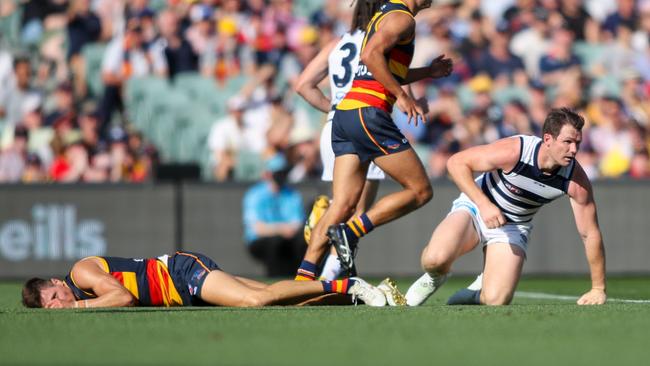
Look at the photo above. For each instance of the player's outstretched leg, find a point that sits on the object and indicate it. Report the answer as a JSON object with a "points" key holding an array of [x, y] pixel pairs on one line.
{"points": [[223, 289]]}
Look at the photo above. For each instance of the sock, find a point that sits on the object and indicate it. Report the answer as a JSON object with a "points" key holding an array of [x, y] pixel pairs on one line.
{"points": [[338, 286], [306, 271], [331, 269], [358, 227], [465, 297]]}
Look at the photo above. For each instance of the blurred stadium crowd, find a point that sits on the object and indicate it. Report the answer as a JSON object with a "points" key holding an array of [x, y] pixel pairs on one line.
{"points": [[103, 90]]}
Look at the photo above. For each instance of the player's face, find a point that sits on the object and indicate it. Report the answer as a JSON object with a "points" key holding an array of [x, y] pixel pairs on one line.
{"points": [[58, 290], [564, 148]]}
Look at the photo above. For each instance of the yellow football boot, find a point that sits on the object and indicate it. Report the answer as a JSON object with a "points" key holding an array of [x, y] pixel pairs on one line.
{"points": [[317, 211]]}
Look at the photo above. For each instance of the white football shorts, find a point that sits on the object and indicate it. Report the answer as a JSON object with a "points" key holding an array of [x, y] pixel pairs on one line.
{"points": [[327, 157], [510, 233]]}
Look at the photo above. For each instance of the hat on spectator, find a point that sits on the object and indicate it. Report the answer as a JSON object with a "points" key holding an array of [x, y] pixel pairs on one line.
{"points": [[308, 35], [300, 134], [480, 84], [236, 103], [89, 109], [503, 26], [33, 159], [145, 13], [21, 131], [31, 103], [540, 13], [62, 118], [536, 84], [65, 87], [117, 134], [227, 26], [200, 12], [276, 163]]}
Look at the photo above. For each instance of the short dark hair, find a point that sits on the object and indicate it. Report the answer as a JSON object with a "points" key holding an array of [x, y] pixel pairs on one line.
{"points": [[21, 59], [559, 117], [32, 292], [364, 10]]}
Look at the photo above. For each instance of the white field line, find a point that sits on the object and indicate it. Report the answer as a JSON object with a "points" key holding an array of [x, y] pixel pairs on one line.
{"points": [[542, 295]]}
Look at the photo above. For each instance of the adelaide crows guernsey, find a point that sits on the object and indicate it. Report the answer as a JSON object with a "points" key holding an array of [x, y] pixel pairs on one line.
{"points": [[365, 90], [147, 279]]}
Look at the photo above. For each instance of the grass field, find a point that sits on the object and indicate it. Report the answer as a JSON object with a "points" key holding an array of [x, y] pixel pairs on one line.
{"points": [[530, 332]]}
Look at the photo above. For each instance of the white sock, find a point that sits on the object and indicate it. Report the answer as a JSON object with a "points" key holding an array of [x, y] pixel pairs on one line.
{"points": [[477, 284], [331, 269]]}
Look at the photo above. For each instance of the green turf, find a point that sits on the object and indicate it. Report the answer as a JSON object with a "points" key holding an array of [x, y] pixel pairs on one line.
{"points": [[530, 332]]}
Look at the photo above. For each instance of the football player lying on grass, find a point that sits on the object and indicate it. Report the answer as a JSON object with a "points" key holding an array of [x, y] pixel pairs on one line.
{"points": [[182, 279]]}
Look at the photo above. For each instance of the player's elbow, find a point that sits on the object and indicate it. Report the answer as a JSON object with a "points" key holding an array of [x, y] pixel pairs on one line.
{"points": [[366, 56], [126, 299], [301, 86], [452, 162]]}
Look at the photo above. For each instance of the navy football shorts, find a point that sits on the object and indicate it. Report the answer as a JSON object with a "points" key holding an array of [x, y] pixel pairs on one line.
{"points": [[188, 271], [368, 132]]}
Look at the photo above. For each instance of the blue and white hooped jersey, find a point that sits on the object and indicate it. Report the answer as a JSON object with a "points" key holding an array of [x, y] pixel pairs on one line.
{"points": [[521, 192], [343, 63]]}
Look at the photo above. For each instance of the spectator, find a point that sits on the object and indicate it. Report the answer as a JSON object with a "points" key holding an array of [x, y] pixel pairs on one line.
{"points": [[559, 60], [34, 171], [625, 16], [125, 58], [497, 61], [171, 52], [21, 94], [63, 104], [612, 139], [231, 135], [12, 159], [40, 136], [273, 220], [84, 27], [531, 43]]}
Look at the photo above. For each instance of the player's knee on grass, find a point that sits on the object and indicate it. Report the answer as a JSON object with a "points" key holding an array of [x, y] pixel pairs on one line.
{"points": [[496, 297], [255, 299]]}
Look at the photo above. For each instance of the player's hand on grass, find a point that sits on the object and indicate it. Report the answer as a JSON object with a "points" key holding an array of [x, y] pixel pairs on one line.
{"points": [[595, 296], [412, 110], [492, 215], [441, 67]]}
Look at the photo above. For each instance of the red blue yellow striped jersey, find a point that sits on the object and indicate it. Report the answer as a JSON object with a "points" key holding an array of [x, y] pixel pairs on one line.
{"points": [[148, 280], [365, 90]]}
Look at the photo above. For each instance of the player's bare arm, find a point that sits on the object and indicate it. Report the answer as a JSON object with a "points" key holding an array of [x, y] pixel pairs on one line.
{"points": [[89, 275], [502, 154], [584, 210], [395, 27], [312, 75], [440, 67]]}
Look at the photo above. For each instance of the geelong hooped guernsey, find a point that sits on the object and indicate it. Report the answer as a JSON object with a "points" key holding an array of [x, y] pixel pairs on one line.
{"points": [[521, 192], [342, 64], [365, 90], [148, 280]]}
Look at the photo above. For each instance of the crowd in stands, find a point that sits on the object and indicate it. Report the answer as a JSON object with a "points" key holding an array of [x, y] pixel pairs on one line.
{"points": [[68, 115]]}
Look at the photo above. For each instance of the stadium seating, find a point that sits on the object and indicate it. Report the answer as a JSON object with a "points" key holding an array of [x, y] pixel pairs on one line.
{"points": [[93, 54]]}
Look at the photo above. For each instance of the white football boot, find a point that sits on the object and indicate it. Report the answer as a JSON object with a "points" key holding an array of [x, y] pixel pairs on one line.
{"points": [[424, 287], [369, 294], [393, 295]]}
